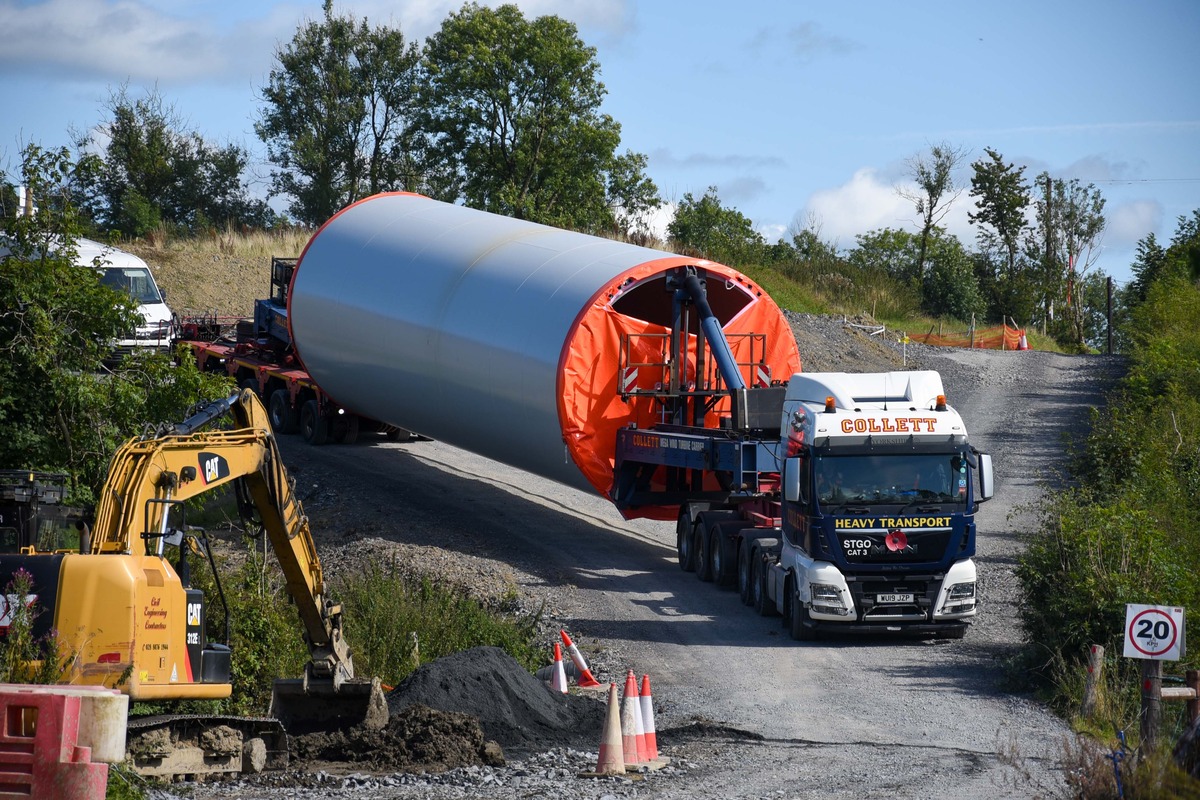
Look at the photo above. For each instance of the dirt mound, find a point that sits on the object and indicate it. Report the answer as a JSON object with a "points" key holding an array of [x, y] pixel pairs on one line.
{"points": [[417, 739], [515, 708]]}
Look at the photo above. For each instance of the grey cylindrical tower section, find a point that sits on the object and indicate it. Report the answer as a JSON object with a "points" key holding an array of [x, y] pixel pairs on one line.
{"points": [[451, 322]]}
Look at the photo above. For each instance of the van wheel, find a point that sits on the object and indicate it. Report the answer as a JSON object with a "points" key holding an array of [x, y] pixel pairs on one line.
{"points": [[313, 427], [284, 418]]}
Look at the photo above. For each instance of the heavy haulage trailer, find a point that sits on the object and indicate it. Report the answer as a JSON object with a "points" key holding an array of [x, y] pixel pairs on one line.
{"points": [[669, 384]]}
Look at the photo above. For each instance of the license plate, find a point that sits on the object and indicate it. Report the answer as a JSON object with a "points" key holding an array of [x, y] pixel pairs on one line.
{"points": [[894, 598]]}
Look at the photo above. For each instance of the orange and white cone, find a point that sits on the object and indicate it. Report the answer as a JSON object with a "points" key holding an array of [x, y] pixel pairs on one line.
{"points": [[583, 675], [612, 756], [630, 708], [647, 703], [1022, 343], [559, 682]]}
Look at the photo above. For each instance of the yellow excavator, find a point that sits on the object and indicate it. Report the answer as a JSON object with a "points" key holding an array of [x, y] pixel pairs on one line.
{"points": [[134, 622]]}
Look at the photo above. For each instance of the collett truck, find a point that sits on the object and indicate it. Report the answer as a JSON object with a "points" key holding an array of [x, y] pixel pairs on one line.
{"points": [[669, 384]]}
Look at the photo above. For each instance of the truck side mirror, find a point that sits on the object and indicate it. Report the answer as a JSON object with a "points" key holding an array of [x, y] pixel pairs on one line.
{"points": [[791, 480], [987, 481]]}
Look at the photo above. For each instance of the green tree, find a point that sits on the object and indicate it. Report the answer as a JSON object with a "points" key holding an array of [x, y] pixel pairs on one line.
{"points": [[1070, 218], [154, 173], [513, 109], [61, 408], [708, 229], [949, 287], [935, 191], [894, 251], [1001, 195], [338, 116]]}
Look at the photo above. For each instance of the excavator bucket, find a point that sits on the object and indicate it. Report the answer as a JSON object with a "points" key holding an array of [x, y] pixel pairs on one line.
{"points": [[312, 706]]}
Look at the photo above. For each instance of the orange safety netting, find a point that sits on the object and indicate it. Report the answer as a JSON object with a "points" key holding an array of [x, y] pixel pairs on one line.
{"points": [[591, 408], [997, 337]]}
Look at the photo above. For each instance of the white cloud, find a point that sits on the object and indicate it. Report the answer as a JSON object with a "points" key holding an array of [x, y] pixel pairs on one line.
{"points": [[866, 203], [1130, 222]]}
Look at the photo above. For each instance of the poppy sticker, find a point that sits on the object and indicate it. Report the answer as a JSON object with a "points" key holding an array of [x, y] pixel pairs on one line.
{"points": [[896, 541]]}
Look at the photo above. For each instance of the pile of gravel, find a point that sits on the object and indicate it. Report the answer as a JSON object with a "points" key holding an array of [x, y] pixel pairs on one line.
{"points": [[513, 707]]}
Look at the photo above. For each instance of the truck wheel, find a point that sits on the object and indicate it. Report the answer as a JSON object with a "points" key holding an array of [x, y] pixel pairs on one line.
{"points": [[759, 575], [722, 556], [684, 541], [745, 573], [313, 427], [700, 551], [801, 629], [249, 383], [284, 418], [344, 428]]}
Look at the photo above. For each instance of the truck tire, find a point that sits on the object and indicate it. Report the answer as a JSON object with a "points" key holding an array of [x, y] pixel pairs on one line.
{"points": [[284, 418], [722, 555], [801, 623], [344, 428], [759, 575], [700, 551], [745, 572], [313, 427], [249, 383], [684, 543]]}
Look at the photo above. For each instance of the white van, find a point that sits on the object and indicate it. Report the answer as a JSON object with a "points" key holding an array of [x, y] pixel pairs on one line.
{"points": [[127, 273]]}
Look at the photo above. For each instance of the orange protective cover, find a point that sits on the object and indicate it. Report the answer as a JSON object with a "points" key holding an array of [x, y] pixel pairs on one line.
{"points": [[590, 406]]}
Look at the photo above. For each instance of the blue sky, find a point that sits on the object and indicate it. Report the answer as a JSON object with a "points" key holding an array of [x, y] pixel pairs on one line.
{"points": [[802, 114]]}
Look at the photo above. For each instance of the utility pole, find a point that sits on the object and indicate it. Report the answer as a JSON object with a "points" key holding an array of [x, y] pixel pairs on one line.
{"points": [[1110, 292], [1049, 241]]}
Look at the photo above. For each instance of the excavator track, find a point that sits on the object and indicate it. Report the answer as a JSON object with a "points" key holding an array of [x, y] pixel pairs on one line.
{"points": [[180, 746]]}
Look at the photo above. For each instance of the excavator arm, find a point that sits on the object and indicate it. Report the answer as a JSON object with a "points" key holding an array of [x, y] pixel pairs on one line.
{"points": [[149, 475]]}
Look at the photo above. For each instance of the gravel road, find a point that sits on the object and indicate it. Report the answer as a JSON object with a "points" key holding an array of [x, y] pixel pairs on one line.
{"points": [[742, 710]]}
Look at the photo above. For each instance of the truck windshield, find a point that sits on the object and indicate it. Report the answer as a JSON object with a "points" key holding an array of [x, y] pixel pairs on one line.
{"points": [[133, 281], [894, 478]]}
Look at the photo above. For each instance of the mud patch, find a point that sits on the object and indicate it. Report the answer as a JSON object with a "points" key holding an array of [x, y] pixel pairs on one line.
{"points": [[514, 708], [418, 739]]}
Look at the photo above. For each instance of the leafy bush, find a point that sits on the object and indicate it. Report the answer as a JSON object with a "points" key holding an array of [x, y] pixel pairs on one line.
{"points": [[386, 617], [23, 658]]}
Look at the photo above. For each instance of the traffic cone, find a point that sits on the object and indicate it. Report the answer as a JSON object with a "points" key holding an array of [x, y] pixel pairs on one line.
{"points": [[629, 719], [612, 757], [647, 703], [1022, 343], [583, 675], [559, 683], [642, 751]]}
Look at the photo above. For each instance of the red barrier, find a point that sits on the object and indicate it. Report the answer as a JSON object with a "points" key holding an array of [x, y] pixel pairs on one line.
{"points": [[39, 753]]}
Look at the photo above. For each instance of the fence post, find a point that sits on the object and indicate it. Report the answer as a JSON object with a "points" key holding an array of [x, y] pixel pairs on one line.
{"points": [[1151, 702], [1090, 689], [1193, 706]]}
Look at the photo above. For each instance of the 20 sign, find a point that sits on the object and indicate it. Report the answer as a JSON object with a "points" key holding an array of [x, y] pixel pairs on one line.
{"points": [[1153, 632]]}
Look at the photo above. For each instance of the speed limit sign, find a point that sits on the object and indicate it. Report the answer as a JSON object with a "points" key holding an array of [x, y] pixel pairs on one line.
{"points": [[1153, 632]]}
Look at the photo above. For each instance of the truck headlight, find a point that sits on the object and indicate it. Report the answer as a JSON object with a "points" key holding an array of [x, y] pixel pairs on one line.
{"points": [[960, 598], [827, 599]]}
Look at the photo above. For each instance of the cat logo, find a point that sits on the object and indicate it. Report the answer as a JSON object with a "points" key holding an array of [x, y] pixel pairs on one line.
{"points": [[193, 614], [213, 467]]}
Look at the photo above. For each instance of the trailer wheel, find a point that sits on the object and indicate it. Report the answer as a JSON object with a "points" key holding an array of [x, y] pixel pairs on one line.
{"points": [[313, 427], [801, 622], [745, 573], [700, 549], [284, 418], [683, 540], [344, 428], [249, 383], [722, 556]]}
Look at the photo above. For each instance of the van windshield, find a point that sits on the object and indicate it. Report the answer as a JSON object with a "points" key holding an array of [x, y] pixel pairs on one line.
{"points": [[133, 281]]}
